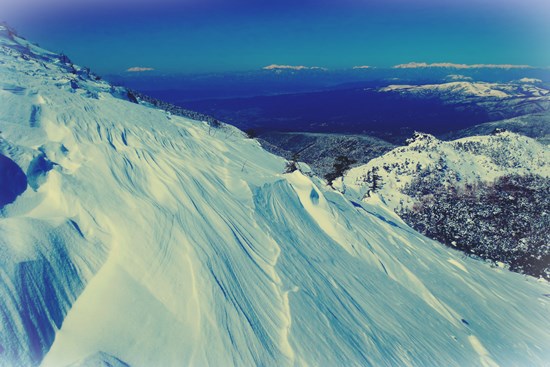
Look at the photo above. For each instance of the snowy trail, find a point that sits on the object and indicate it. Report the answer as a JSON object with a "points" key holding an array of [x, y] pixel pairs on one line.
{"points": [[154, 240]]}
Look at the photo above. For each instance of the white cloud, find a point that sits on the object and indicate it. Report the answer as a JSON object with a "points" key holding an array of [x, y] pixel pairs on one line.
{"points": [[413, 65], [362, 67], [530, 80], [292, 67], [138, 69], [458, 77]]}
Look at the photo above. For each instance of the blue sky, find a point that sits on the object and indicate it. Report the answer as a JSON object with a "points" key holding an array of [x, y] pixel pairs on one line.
{"points": [[192, 36]]}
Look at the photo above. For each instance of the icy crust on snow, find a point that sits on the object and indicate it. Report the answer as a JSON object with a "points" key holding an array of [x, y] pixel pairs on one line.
{"points": [[463, 161], [154, 240]]}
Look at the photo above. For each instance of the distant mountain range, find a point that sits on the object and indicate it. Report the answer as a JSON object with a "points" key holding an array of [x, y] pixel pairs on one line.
{"points": [[298, 79], [456, 92], [388, 103], [391, 112]]}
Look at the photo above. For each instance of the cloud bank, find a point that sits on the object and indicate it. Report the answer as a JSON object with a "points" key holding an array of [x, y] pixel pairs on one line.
{"points": [[530, 80], [414, 65], [138, 69], [292, 67], [458, 77]]}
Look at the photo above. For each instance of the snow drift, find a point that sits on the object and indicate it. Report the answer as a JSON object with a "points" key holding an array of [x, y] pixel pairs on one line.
{"points": [[152, 240]]}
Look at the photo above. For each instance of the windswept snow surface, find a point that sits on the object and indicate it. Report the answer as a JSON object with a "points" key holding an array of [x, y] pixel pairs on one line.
{"points": [[154, 240]]}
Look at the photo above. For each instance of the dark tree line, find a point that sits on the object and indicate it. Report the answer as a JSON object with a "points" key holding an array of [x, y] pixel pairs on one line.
{"points": [[505, 221], [173, 109]]}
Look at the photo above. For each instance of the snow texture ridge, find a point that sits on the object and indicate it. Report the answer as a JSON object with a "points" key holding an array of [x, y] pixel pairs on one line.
{"points": [[148, 239]]}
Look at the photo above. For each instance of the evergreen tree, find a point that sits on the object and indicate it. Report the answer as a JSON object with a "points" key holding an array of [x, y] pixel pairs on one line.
{"points": [[292, 165], [376, 180], [341, 165], [373, 180]]}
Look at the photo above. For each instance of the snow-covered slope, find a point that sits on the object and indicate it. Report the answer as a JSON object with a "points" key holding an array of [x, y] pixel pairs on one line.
{"points": [[147, 239], [459, 162], [465, 89], [488, 101], [534, 125]]}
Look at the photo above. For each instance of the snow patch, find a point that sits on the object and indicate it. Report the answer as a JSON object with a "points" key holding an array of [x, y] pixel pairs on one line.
{"points": [[458, 265], [484, 356]]}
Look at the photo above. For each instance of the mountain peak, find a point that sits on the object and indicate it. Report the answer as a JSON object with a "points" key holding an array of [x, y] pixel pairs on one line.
{"points": [[420, 138]]}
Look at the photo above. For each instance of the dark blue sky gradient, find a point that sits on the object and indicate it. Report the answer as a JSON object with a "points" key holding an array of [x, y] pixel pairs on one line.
{"points": [[211, 35]]}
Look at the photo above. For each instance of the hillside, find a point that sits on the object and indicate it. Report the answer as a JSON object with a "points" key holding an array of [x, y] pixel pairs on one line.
{"points": [[485, 195], [463, 161], [320, 150], [143, 238], [452, 91], [497, 100], [533, 125]]}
